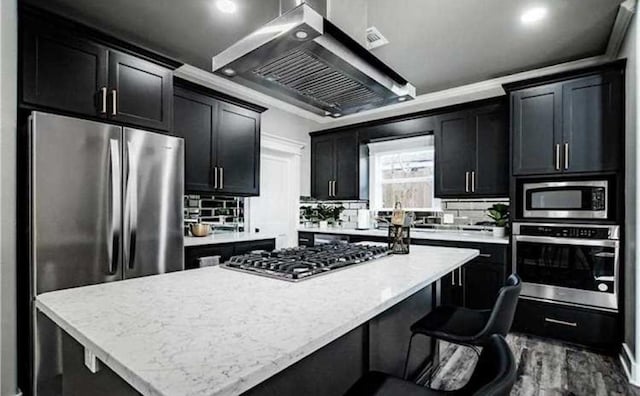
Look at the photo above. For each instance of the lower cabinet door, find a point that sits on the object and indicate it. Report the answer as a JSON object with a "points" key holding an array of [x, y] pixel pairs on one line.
{"points": [[193, 253], [482, 282], [451, 292]]}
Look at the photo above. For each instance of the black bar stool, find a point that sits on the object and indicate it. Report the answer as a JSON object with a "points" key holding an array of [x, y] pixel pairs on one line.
{"points": [[469, 327], [494, 375]]}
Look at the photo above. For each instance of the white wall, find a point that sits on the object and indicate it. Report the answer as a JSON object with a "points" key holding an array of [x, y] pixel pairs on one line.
{"points": [[8, 98], [281, 123], [631, 337]]}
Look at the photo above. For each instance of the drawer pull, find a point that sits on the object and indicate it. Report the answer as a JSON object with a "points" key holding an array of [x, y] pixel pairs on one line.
{"points": [[561, 322], [487, 255], [303, 240]]}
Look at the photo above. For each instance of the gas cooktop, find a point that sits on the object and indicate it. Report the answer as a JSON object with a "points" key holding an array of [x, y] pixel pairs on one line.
{"points": [[300, 263]]}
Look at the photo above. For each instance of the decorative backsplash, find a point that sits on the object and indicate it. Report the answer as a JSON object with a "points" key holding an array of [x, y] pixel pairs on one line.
{"points": [[464, 211], [223, 213]]}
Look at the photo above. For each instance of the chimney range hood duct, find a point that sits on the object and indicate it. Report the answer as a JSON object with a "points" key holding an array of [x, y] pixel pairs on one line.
{"points": [[303, 59]]}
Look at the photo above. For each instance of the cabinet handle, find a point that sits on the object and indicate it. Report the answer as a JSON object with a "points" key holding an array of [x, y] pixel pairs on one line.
{"points": [[453, 278], [460, 276], [114, 102], [221, 177], [215, 177], [487, 255], [303, 240], [329, 187], [557, 157], [566, 156], [561, 322], [334, 188], [466, 182], [473, 181], [103, 90]]}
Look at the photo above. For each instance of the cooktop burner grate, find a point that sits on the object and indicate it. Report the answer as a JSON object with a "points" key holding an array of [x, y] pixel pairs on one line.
{"points": [[300, 263]]}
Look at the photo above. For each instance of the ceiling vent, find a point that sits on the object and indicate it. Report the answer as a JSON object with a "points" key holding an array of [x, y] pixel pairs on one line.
{"points": [[375, 39]]}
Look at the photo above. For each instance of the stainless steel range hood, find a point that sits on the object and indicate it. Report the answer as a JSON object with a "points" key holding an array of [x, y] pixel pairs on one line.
{"points": [[303, 59]]}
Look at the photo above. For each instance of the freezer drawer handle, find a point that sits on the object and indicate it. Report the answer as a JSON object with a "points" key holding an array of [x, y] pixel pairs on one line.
{"points": [[561, 322], [115, 206]]}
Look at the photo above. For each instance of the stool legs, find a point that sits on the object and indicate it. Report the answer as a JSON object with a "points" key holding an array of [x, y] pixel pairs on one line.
{"points": [[406, 360]]}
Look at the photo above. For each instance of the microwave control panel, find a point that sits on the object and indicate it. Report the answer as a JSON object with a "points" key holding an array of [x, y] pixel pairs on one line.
{"points": [[598, 201], [566, 231]]}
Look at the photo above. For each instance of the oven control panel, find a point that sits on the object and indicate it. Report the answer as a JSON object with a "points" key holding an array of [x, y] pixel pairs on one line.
{"points": [[565, 231]]}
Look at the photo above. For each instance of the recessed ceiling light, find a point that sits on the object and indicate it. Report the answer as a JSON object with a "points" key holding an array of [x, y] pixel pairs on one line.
{"points": [[533, 15], [301, 34], [402, 99], [337, 115], [226, 6], [229, 72]]}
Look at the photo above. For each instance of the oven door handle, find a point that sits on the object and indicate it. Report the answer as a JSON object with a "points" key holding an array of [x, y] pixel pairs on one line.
{"points": [[567, 241]]}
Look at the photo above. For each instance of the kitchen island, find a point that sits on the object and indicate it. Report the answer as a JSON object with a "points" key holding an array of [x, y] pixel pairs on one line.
{"points": [[212, 331]]}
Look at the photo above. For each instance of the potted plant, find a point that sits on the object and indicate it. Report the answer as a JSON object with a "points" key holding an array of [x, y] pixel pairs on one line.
{"points": [[309, 215], [328, 214], [499, 213]]}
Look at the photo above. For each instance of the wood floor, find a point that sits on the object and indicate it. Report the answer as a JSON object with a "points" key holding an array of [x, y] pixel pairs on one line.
{"points": [[545, 368]]}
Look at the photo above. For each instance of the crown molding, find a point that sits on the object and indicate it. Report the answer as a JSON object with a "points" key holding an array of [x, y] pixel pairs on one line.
{"points": [[620, 27], [279, 143]]}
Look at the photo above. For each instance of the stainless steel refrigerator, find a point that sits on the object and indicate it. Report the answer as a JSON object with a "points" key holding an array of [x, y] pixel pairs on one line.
{"points": [[106, 204]]}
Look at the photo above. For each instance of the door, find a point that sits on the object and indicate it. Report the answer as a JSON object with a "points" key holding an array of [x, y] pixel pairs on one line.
{"points": [[322, 166], [537, 130], [153, 200], [455, 154], [238, 150], [346, 166], [75, 221], [140, 92], [64, 73], [592, 116], [491, 167], [272, 212], [194, 120]]}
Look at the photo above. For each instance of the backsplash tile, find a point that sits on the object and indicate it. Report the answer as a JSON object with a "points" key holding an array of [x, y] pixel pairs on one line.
{"points": [[223, 213], [348, 218], [471, 210]]}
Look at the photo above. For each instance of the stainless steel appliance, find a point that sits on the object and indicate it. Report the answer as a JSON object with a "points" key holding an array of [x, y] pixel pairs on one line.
{"points": [[575, 264], [566, 199], [302, 58], [106, 204], [301, 263]]}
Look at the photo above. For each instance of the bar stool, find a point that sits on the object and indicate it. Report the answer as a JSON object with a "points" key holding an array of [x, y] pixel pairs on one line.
{"points": [[494, 375], [469, 327]]}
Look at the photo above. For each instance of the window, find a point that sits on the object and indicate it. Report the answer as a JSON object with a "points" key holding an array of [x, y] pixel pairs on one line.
{"points": [[402, 171]]}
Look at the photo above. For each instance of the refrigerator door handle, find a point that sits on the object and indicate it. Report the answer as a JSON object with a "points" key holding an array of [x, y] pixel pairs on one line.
{"points": [[132, 192], [114, 248]]}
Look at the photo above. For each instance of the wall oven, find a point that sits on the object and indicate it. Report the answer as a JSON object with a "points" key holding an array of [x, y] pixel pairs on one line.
{"points": [[568, 263], [566, 199]]}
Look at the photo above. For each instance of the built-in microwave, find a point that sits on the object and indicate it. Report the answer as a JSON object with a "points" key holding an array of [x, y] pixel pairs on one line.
{"points": [[566, 199]]}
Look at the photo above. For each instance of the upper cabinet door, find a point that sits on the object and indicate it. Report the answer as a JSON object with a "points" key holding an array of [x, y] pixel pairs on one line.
{"points": [[322, 166], [592, 120], [194, 120], [491, 175], [238, 150], [140, 92], [62, 72], [536, 123], [346, 182], [455, 155]]}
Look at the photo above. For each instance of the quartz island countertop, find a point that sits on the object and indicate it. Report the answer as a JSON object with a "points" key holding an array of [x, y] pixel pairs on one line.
{"points": [[212, 331], [418, 234]]}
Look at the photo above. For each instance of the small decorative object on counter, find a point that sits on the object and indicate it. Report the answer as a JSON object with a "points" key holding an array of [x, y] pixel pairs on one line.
{"points": [[199, 229], [499, 213], [399, 238]]}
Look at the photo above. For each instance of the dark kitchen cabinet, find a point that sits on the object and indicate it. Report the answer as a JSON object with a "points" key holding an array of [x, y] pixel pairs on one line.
{"points": [[70, 72], [454, 156], [471, 158], [238, 150], [451, 290], [225, 250], [140, 92], [63, 72], [334, 166], [222, 143], [592, 123], [570, 126]]}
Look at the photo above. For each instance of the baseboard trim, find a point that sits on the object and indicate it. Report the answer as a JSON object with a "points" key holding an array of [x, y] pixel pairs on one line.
{"points": [[630, 369]]}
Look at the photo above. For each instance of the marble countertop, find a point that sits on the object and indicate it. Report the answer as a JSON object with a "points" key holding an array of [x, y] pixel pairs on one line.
{"points": [[212, 331], [459, 236], [226, 237]]}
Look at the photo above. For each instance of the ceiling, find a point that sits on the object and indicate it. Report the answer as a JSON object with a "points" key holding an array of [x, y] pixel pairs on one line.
{"points": [[435, 44]]}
